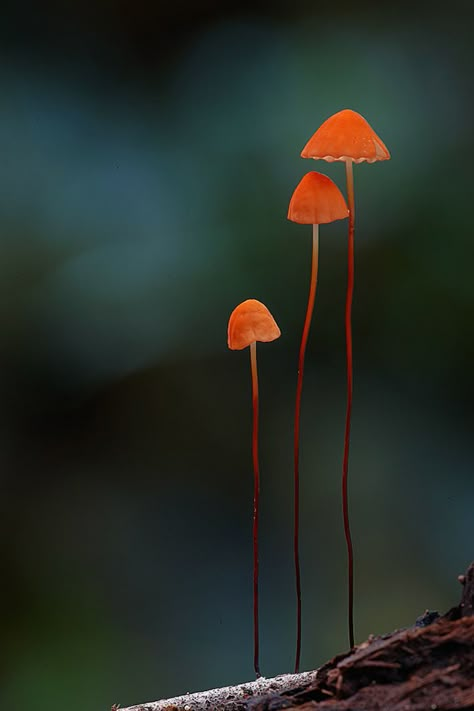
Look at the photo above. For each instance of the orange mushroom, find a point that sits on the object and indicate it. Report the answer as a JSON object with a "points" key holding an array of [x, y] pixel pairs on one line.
{"points": [[250, 322], [315, 201], [347, 137]]}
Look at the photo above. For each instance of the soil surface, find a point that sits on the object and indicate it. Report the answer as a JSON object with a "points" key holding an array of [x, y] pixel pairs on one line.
{"points": [[427, 666]]}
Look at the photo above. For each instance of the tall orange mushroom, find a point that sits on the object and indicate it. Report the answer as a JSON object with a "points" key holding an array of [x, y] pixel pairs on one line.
{"points": [[250, 322], [315, 201], [347, 137]]}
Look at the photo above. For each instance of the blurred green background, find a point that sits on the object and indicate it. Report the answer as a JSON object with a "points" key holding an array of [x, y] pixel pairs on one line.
{"points": [[148, 154]]}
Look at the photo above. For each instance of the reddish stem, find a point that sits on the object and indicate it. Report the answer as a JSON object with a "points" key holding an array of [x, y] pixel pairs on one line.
{"points": [[256, 492], [299, 390], [347, 431]]}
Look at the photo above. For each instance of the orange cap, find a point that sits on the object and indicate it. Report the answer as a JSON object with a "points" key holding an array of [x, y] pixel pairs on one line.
{"points": [[345, 135], [317, 200], [251, 321]]}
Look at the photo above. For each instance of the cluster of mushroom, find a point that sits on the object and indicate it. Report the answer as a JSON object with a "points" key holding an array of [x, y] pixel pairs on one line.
{"points": [[347, 137]]}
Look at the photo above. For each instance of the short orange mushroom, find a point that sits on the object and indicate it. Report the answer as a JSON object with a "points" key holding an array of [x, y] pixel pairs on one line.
{"points": [[250, 322], [347, 137], [315, 201]]}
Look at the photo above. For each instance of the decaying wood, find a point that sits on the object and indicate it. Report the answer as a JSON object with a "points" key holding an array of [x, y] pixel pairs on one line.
{"points": [[230, 698], [427, 666], [416, 669]]}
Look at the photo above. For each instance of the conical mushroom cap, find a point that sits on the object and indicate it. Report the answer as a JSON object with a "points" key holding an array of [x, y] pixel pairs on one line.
{"points": [[251, 321], [345, 135], [317, 200]]}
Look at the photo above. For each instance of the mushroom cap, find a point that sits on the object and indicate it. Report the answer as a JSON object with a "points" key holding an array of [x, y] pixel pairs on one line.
{"points": [[251, 321], [317, 200], [346, 135]]}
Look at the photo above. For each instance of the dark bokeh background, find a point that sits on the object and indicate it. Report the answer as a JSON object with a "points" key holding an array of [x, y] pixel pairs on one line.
{"points": [[148, 153]]}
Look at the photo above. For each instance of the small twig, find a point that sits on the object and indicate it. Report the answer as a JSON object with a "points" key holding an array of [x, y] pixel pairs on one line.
{"points": [[228, 698]]}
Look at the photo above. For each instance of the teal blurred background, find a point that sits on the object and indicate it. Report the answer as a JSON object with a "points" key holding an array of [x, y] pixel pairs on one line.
{"points": [[148, 154]]}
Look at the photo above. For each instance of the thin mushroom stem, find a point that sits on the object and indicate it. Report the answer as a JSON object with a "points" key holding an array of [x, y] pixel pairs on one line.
{"points": [[347, 432], [299, 389], [256, 492]]}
